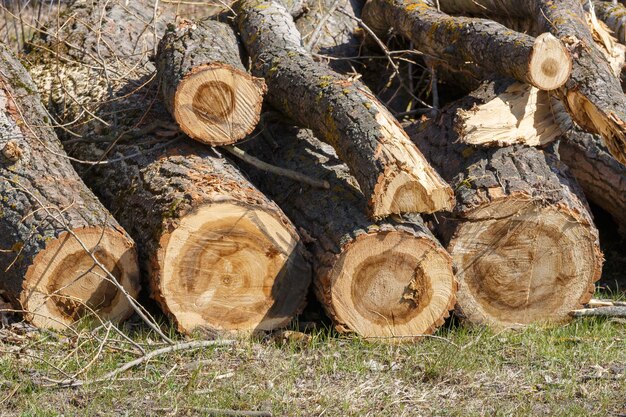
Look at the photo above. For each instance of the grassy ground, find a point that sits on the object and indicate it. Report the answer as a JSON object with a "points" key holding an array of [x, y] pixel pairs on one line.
{"points": [[577, 369]]}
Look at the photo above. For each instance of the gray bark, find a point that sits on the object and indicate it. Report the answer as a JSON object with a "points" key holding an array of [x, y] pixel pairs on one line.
{"points": [[341, 111]]}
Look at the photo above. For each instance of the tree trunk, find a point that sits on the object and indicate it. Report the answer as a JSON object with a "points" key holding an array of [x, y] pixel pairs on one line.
{"points": [[50, 223], [482, 45], [392, 174], [387, 279], [219, 254], [521, 236], [204, 84], [602, 178]]}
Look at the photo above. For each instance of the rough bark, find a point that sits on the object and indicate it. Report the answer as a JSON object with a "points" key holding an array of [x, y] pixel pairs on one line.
{"points": [[388, 279], [204, 84], [521, 236], [483, 45], [612, 14], [390, 170], [47, 214], [487, 8], [195, 217], [602, 178]]}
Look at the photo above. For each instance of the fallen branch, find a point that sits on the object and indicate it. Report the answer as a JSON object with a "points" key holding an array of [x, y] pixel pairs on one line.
{"points": [[197, 344], [600, 312], [264, 166]]}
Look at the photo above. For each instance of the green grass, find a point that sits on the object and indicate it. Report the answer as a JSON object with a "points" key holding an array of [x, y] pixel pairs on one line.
{"points": [[577, 369]]}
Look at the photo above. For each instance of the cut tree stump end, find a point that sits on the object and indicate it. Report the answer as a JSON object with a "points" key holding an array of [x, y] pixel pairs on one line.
{"points": [[392, 285], [231, 267], [523, 264], [550, 65], [64, 283], [217, 104]]}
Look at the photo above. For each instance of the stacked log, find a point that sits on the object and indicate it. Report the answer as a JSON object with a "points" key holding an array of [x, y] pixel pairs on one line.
{"points": [[219, 254], [390, 170], [483, 45], [205, 86], [593, 95], [62, 255], [388, 279], [521, 235]]}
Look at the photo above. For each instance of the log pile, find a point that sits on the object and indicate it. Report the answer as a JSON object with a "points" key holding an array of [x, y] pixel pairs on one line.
{"points": [[248, 157]]}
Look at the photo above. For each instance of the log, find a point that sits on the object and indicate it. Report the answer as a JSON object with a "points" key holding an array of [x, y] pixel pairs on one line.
{"points": [[50, 223], [521, 235], [593, 95], [387, 279], [391, 172], [487, 8], [204, 84], [519, 113], [218, 253], [484, 46], [611, 13], [602, 178]]}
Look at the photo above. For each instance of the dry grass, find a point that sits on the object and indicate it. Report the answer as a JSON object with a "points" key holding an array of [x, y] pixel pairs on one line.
{"points": [[578, 369]]}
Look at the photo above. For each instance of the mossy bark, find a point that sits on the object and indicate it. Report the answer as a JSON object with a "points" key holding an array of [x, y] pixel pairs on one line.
{"points": [[481, 46], [389, 169]]}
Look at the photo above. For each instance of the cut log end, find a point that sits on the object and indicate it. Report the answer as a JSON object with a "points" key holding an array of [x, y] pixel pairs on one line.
{"points": [[217, 104], [550, 65], [403, 193], [521, 265], [231, 267], [64, 283], [391, 285], [409, 184], [521, 114]]}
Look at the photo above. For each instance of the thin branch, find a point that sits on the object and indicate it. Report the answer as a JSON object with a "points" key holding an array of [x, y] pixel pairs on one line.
{"points": [[264, 166], [197, 344]]}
